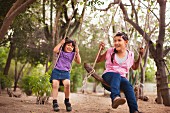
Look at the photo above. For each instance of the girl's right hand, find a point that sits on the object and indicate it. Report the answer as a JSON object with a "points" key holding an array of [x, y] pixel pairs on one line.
{"points": [[62, 41], [102, 45]]}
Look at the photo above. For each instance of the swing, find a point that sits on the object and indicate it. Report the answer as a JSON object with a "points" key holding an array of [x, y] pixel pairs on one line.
{"points": [[89, 69]]}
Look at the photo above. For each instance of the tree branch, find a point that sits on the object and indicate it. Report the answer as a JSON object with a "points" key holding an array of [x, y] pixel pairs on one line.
{"points": [[14, 7], [138, 28], [133, 8], [150, 10], [110, 5], [166, 51], [8, 21]]}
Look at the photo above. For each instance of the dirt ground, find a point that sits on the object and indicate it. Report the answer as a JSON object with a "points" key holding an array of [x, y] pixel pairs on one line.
{"points": [[81, 103]]}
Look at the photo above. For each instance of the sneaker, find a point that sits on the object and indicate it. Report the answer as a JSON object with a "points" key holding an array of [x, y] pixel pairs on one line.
{"points": [[68, 106], [56, 107], [117, 102]]}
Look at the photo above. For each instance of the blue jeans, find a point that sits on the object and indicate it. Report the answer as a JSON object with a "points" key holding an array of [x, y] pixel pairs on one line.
{"points": [[118, 83]]}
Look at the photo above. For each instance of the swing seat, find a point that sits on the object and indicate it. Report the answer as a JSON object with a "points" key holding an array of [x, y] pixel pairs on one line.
{"points": [[97, 77]]}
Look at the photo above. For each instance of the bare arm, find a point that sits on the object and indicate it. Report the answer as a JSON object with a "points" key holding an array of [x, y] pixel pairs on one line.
{"points": [[77, 58], [57, 47], [136, 64], [101, 57]]}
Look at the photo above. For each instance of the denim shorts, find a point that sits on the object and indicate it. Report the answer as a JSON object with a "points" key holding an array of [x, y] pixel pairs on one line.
{"points": [[59, 75]]}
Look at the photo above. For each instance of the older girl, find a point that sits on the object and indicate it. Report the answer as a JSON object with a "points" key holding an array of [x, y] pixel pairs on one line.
{"points": [[118, 62]]}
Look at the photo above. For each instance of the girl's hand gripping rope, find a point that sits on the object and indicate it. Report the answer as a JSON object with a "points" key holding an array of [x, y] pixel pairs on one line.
{"points": [[141, 51], [102, 45]]}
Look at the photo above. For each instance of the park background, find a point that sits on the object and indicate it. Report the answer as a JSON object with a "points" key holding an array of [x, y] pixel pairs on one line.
{"points": [[29, 30]]}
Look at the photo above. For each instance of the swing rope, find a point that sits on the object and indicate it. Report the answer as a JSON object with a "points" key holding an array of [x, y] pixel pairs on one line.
{"points": [[65, 34], [93, 71], [63, 38]]}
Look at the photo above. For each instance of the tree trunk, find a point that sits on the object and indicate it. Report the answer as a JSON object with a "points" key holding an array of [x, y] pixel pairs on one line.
{"points": [[157, 53], [143, 69], [8, 62], [159, 98], [18, 75], [165, 91], [162, 84]]}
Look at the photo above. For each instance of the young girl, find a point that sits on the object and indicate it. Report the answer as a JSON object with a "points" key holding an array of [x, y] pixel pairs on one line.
{"points": [[118, 62], [61, 71]]}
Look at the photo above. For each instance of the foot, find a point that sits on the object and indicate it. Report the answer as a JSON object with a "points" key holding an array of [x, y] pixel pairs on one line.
{"points": [[118, 101], [56, 107], [68, 106]]}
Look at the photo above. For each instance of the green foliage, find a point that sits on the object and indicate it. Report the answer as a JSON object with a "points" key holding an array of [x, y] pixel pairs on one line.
{"points": [[3, 57], [5, 81], [41, 85], [150, 71], [36, 82], [26, 84], [76, 77], [133, 76], [30, 48], [38, 85], [150, 75]]}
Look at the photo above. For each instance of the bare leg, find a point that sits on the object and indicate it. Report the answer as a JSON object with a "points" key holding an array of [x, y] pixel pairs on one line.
{"points": [[55, 87], [66, 84]]}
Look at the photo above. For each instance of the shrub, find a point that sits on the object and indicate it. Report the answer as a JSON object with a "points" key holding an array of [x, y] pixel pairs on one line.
{"points": [[76, 78], [26, 84], [5, 81]]}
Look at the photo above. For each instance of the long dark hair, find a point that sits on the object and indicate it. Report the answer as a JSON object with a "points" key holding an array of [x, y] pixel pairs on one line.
{"points": [[125, 37], [67, 41]]}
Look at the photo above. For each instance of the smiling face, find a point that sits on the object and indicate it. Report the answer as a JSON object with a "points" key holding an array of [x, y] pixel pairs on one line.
{"points": [[120, 43], [69, 47]]}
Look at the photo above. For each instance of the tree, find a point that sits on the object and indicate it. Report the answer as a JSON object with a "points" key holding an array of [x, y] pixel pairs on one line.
{"points": [[157, 52], [16, 9]]}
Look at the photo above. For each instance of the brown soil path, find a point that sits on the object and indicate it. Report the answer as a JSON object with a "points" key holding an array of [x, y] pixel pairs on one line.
{"points": [[81, 103]]}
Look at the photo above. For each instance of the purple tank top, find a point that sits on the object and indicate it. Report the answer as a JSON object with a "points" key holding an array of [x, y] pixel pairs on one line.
{"points": [[64, 61]]}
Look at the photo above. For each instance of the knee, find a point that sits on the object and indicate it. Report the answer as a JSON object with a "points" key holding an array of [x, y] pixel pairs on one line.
{"points": [[67, 85], [55, 86]]}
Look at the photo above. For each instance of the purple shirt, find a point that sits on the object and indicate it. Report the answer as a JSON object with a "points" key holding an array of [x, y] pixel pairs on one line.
{"points": [[122, 68], [64, 61]]}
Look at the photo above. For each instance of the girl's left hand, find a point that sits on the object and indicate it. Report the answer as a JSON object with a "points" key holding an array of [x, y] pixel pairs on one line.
{"points": [[141, 51], [76, 47]]}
